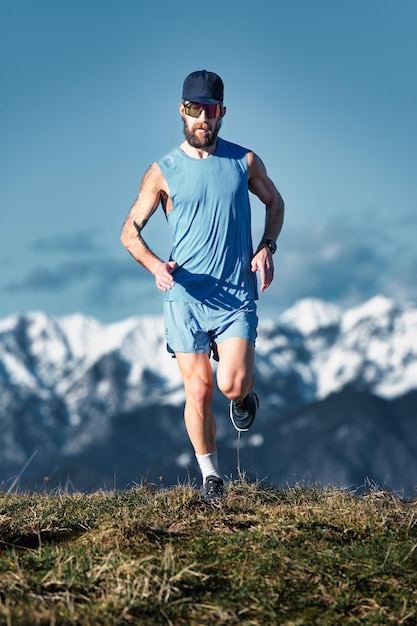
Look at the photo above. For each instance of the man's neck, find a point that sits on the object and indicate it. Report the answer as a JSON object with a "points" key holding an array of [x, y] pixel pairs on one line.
{"points": [[198, 153]]}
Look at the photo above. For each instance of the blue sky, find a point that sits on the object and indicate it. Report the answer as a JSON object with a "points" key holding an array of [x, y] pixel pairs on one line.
{"points": [[325, 91]]}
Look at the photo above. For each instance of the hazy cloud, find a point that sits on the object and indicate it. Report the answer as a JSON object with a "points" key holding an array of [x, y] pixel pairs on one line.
{"points": [[344, 263], [78, 242], [106, 275], [336, 261]]}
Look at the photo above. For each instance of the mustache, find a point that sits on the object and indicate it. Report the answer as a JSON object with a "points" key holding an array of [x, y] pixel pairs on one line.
{"points": [[200, 126]]}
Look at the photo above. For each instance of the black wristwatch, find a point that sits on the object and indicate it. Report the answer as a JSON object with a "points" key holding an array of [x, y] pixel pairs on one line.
{"points": [[272, 245]]}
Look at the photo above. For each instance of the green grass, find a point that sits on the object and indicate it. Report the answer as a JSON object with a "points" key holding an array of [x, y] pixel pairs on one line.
{"points": [[305, 555]]}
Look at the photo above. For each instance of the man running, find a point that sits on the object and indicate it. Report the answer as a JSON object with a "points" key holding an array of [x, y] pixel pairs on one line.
{"points": [[209, 279]]}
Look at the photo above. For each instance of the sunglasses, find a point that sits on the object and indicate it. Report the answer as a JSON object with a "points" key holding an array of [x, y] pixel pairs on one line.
{"points": [[193, 109]]}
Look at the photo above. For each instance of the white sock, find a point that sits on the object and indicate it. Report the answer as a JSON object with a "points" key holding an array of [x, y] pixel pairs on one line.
{"points": [[208, 464]]}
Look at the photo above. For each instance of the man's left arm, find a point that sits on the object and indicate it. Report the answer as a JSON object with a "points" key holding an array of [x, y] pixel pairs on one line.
{"points": [[262, 186]]}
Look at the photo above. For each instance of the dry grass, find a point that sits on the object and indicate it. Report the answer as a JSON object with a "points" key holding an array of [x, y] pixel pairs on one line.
{"points": [[152, 556]]}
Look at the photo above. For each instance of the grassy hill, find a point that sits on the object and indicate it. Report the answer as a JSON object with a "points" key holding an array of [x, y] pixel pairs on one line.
{"points": [[305, 555]]}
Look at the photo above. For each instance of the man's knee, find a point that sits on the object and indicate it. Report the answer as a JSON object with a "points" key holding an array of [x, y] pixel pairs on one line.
{"points": [[235, 387], [198, 391], [197, 376]]}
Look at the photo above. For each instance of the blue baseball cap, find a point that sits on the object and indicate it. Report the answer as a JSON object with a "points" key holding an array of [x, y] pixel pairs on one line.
{"points": [[203, 86]]}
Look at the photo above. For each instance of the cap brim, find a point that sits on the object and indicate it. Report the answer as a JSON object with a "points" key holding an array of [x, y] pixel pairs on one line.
{"points": [[202, 100]]}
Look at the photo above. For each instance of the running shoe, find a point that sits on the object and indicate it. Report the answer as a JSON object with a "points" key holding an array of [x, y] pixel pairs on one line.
{"points": [[242, 412], [213, 489]]}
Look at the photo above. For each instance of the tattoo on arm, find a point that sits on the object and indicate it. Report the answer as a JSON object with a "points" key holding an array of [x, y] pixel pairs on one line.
{"points": [[141, 211], [139, 227]]}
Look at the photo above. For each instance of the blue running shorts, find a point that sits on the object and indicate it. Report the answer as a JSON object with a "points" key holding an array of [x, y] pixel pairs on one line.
{"points": [[197, 328]]}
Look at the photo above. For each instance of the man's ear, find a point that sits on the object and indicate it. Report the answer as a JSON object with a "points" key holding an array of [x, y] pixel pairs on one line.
{"points": [[223, 112]]}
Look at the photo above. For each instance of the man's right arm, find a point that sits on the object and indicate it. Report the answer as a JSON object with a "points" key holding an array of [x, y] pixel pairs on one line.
{"points": [[152, 189]]}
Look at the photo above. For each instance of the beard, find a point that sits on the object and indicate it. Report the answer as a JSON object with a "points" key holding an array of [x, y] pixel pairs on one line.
{"points": [[202, 140]]}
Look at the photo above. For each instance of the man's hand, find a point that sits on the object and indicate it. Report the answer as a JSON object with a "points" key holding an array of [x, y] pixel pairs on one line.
{"points": [[263, 262], [163, 276]]}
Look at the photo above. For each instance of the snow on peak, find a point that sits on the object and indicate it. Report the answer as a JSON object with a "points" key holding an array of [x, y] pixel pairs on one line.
{"points": [[79, 359], [378, 308], [8, 323], [89, 338], [310, 315], [376, 345]]}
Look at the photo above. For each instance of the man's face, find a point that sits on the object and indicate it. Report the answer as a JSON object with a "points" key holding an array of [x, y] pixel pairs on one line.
{"points": [[201, 131]]}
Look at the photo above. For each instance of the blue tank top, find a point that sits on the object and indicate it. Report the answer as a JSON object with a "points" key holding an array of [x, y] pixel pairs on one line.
{"points": [[210, 223]]}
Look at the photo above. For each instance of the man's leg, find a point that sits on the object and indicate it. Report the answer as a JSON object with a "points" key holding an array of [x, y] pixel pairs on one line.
{"points": [[184, 323], [198, 383], [235, 379], [235, 370], [199, 420]]}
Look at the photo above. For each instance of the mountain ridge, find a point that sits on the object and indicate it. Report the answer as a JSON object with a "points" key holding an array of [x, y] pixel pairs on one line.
{"points": [[67, 385]]}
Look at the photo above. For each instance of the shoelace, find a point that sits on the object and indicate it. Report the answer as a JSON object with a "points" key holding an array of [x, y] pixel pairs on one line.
{"points": [[239, 472], [214, 487]]}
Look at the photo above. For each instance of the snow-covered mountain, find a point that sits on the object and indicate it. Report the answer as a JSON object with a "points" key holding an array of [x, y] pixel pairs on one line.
{"points": [[68, 383], [373, 346]]}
